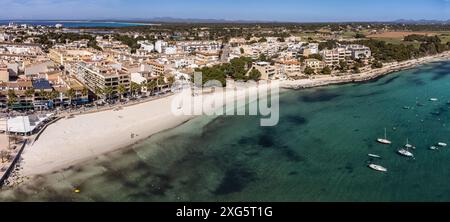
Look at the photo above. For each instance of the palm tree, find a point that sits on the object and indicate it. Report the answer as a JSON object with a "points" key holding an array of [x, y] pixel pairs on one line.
{"points": [[70, 94], [98, 92], [121, 90], [170, 80], [151, 86], [52, 95], [12, 97], [29, 93], [42, 94], [135, 88], [108, 91], [160, 82]]}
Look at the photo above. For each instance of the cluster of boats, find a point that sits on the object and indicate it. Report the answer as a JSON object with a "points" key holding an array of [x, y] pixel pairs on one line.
{"points": [[404, 151]]}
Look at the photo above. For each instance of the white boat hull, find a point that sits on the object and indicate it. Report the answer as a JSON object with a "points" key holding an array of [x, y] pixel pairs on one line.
{"points": [[384, 141], [405, 153], [377, 168]]}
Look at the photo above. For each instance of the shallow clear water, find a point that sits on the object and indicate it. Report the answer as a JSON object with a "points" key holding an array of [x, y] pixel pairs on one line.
{"points": [[318, 152]]}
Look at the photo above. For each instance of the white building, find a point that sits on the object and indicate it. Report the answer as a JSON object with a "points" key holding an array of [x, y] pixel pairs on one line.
{"points": [[147, 46], [359, 51], [160, 46], [266, 69], [170, 50]]}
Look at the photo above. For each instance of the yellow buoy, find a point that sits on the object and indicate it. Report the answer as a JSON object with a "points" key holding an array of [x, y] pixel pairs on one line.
{"points": [[77, 191]]}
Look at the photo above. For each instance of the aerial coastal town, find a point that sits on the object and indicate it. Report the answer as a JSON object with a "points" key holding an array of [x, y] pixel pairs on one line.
{"points": [[51, 72]]}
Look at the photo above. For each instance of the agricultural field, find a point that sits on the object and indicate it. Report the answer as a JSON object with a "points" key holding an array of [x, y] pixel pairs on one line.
{"points": [[397, 37]]}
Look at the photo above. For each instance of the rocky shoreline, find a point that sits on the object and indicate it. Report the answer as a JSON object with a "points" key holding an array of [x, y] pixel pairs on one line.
{"points": [[364, 76]]}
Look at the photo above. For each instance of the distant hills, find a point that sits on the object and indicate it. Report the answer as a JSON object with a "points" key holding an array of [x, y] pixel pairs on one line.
{"points": [[224, 21], [422, 21], [197, 20]]}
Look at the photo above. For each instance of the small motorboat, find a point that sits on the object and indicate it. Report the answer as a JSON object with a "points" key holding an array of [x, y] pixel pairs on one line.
{"points": [[442, 144], [433, 148], [434, 99], [374, 156], [377, 168]]}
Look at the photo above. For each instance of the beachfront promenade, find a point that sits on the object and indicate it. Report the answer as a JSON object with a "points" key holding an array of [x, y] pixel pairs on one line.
{"points": [[11, 149]]}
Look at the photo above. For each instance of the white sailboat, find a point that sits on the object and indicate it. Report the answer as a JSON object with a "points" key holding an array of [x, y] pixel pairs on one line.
{"points": [[434, 99], [405, 152], [409, 146], [385, 140], [377, 168]]}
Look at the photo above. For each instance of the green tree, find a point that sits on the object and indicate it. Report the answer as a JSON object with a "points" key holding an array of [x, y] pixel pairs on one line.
{"points": [[326, 70], [255, 75], [12, 97], [360, 36], [263, 58], [309, 71], [98, 92], [160, 82], [108, 92], [377, 65], [263, 39], [315, 56], [343, 66], [135, 88], [29, 93], [151, 86], [42, 94], [70, 94], [121, 89], [53, 95]]}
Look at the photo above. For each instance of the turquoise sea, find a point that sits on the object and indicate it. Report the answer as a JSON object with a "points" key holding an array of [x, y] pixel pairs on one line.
{"points": [[73, 24], [318, 152]]}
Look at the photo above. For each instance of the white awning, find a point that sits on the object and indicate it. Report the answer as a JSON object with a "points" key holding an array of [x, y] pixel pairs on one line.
{"points": [[26, 124]]}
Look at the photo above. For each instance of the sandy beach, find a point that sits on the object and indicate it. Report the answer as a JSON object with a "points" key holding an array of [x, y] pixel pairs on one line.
{"points": [[75, 140]]}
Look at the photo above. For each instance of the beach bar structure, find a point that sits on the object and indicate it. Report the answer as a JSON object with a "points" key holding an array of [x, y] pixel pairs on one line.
{"points": [[26, 125]]}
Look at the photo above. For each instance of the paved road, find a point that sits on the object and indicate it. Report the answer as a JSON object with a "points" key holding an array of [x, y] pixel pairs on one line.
{"points": [[225, 53]]}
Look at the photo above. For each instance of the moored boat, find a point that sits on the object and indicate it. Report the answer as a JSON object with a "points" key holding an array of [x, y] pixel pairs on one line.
{"points": [[433, 148], [442, 144], [377, 168], [405, 152], [385, 140], [375, 156]]}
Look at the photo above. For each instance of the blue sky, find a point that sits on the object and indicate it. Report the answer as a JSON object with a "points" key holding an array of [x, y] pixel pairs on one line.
{"points": [[269, 10]]}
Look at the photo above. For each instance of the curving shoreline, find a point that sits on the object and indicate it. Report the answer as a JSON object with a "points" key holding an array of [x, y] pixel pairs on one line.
{"points": [[73, 141], [364, 76]]}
